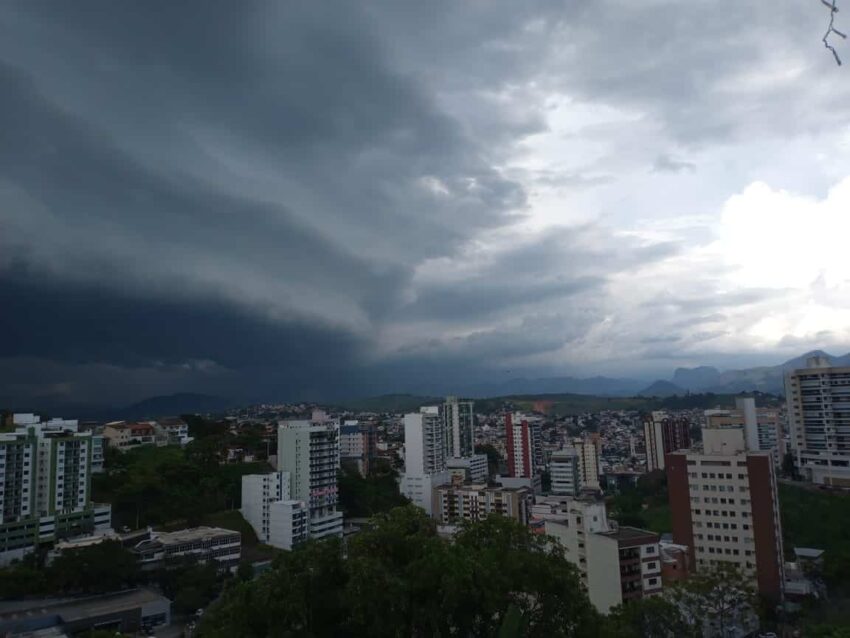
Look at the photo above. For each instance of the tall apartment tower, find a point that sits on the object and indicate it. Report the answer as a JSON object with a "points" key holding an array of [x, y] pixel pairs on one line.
{"points": [[565, 470], [524, 446], [45, 485], [277, 519], [723, 501], [663, 434], [358, 444], [589, 448], [309, 452], [762, 426], [424, 456], [459, 418], [818, 399]]}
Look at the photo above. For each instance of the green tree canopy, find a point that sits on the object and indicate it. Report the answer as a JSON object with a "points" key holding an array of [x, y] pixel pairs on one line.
{"points": [[398, 578]]}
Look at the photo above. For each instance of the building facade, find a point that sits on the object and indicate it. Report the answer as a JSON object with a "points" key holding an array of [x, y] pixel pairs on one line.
{"points": [[663, 434], [523, 443], [125, 436], [223, 547], [45, 485], [309, 452], [259, 491], [589, 448], [724, 507], [358, 443], [818, 398], [615, 564], [471, 469], [565, 471], [459, 423], [762, 426], [424, 456], [458, 503]]}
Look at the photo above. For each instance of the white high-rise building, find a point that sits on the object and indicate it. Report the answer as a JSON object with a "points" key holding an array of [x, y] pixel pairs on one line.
{"points": [[289, 523], [762, 426], [424, 456], [309, 452], [589, 448], [459, 423], [259, 491], [663, 434], [565, 471], [45, 485], [818, 399]]}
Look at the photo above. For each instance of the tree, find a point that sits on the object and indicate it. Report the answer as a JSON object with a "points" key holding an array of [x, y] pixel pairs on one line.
{"points": [[494, 458], [106, 566], [654, 617], [717, 598], [398, 578], [789, 467]]}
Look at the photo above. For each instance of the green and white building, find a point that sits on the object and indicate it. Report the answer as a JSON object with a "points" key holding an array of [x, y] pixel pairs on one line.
{"points": [[45, 485]]}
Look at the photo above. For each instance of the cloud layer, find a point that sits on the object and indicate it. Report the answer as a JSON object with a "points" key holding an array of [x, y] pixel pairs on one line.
{"points": [[273, 200]]}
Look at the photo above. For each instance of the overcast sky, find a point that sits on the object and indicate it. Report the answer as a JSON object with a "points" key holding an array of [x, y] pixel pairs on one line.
{"points": [[308, 199]]}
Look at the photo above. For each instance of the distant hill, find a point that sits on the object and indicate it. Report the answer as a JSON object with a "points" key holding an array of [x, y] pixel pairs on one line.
{"points": [[764, 379], [662, 388], [390, 403], [172, 404]]}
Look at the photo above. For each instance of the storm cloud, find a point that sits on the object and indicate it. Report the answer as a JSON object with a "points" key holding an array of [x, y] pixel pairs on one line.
{"points": [[283, 200]]}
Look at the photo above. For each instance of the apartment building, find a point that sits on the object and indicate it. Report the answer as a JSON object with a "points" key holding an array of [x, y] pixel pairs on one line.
{"points": [[45, 485], [762, 426], [818, 398], [663, 434], [524, 446], [616, 564], [565, 472], [175, 429], [424, 456], [309, 451], [459, 424], [458, 503], [124, 436], [259, 491], [589, 448], [723, 500], [358, 443], [471, 469]]}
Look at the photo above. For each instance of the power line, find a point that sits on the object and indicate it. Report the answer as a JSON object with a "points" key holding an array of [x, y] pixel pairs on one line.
{"points": [[833, 9]]}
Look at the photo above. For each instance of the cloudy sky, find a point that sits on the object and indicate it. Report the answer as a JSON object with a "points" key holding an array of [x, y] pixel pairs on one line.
{"points": [[313, 199]]}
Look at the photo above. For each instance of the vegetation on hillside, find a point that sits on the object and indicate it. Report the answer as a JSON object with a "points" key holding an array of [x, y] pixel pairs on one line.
{"points": [[155, 485], [645, 505]]}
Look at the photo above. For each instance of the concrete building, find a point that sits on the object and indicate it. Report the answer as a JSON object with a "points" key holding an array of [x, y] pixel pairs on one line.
{"points": [[125, 436], [45, 485], [358, 445], [675, 563], [175, 429], [259, 492], [565, 471], [126, 612], [524, 448], [818, 399], [459, 423], [471, 469], [424, 456], [723, 501], [309, 452], [457, 503], [223, 547], [289, 523], [589, 448], [615, 564], [663, 434], [762, 426]]}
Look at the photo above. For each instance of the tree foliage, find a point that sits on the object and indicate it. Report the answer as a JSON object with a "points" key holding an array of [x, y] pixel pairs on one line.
{"points": [[377, 492], [398, 578]]}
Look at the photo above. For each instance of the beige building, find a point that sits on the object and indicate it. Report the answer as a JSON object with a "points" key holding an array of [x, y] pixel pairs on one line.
{"points": [[589, 448], [615, 564], [818, 399], [457, 503], [126, 436]]}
